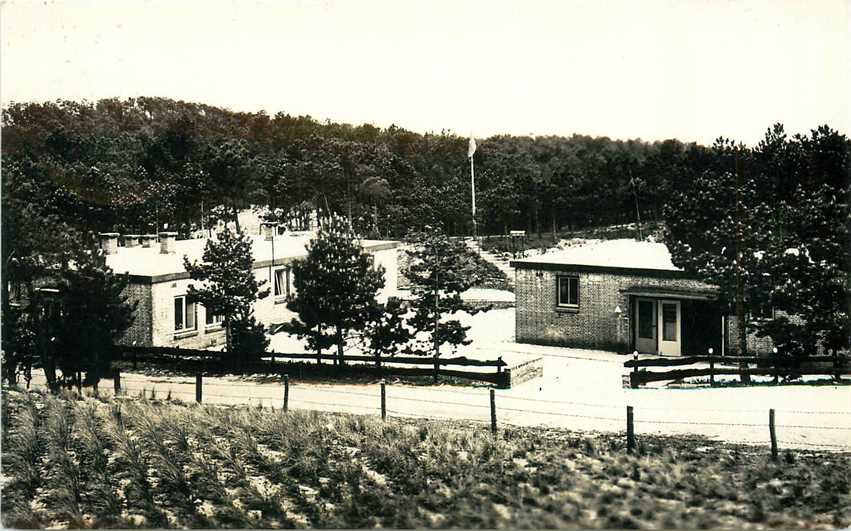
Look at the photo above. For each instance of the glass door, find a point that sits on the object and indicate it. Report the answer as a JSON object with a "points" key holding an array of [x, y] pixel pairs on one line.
{"points": [[645, 329], [670, 340]]}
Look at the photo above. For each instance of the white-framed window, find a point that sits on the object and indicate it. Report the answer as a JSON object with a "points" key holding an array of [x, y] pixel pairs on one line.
{"points": [[184, 314], [283, 278], [213, 319], [567, 292]]}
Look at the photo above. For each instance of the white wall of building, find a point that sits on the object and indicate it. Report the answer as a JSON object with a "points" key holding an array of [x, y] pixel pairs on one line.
{"points": [[271, 310]]}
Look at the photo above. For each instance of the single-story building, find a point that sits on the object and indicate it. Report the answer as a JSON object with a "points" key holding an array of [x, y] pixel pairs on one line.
{"points": [[159, 283], [621, 295]]}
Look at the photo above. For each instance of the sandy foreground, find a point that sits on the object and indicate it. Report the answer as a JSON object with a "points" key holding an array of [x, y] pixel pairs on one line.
{"points": [[580, 390]]}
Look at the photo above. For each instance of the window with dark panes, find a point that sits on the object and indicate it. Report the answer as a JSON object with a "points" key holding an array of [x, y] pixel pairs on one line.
{"points": [[184, 314], [568, 292]]}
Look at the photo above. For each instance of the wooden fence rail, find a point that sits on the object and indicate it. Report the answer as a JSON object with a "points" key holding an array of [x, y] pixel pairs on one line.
{"points": [[776, 366], [750, 360], [282, 362], [177, 352]]}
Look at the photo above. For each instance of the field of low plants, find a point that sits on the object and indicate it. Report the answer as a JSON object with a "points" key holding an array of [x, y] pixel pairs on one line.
{"points": [[132, 462]]}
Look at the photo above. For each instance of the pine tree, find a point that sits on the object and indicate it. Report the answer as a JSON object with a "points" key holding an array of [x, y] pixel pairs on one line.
{"points": [[335, 288], [387, 330], [773, 235], [229, 290], [92, 313], [439, 269], [805, 275]]}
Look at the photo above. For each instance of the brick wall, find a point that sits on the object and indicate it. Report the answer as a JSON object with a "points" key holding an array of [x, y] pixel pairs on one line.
{"points": [[140, 331], [756, 345], [523, 372], [595, 324]]}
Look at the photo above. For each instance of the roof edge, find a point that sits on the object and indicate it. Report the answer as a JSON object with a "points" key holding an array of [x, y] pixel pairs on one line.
{"points": [[258, 264], [548, 266]]}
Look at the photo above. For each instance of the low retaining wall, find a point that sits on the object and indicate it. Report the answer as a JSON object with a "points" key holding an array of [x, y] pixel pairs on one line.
{"points": [[493, 305], [525, 371]]}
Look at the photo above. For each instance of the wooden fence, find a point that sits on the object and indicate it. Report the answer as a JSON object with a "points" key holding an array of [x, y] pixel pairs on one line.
{"points": [[299, 363], [776, 366]]}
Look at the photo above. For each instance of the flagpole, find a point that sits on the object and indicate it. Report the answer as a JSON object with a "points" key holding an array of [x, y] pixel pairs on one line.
{"points": [[473, 194]]}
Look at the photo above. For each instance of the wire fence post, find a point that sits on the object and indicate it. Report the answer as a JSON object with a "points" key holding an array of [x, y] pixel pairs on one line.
{"points": [[630, 430], [772, 434], [383, 401], [198, 387], [493, 412], [286, 392], [116, 381]]}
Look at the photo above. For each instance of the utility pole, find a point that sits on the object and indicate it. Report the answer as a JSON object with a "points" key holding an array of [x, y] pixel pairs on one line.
{"points": [[637, 212], [436, 310], [740, 308]]}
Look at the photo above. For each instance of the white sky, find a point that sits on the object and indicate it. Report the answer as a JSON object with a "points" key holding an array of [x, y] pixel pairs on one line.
{"points": [[687, 69]]}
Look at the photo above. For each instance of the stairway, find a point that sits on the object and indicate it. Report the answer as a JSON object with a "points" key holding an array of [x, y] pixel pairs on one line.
{"points": [[500, 262]]}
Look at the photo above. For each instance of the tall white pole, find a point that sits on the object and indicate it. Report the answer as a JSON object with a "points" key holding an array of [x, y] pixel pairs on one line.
{"points": [[473, 193]]}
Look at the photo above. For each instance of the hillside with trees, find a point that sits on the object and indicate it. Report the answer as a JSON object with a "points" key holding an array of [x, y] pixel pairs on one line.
{"points": [[136, 165]]}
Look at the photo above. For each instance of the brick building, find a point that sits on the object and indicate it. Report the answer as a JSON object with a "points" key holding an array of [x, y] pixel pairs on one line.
{"points": [[159, 282], [620, 295]]}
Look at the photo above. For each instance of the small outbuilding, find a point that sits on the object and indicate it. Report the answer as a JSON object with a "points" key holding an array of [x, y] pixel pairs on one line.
{"points": [[618, 295]]}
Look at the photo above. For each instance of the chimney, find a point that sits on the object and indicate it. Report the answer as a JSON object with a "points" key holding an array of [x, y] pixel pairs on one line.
{"points": [[131, 240], [148, 240], [270, 229], [168, 242], [108, 242]]}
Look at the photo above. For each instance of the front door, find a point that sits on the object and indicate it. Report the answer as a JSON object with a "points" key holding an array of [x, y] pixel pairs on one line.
{"points": [[670, 337], [645, 330]]}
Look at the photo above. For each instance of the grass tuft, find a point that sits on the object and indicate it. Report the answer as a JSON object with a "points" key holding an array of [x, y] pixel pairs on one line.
{"points": [[150, 463]]}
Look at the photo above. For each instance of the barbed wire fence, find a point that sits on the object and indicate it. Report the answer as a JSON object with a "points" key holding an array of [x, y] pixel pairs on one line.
{"points": [[473, 407]]}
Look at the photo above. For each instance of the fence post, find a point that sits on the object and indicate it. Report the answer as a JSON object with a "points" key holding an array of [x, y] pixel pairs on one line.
{"points": [[775, 361], [116, 381], [630, 430], [383, 401], [772, 434], [835, 366], [198, 387], [711, 368], [286, 392], [493, 412], [633, 381]]}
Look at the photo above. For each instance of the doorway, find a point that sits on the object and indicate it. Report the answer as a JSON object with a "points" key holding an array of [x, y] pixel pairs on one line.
{"points": [[670, 340], [646, 340]]}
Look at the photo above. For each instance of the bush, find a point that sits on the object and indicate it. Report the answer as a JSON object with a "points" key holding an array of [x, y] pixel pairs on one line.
{"points": [[249, 339]]}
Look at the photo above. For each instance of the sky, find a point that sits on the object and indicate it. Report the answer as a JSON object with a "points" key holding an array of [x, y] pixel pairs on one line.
{"points": [[651, 69]]}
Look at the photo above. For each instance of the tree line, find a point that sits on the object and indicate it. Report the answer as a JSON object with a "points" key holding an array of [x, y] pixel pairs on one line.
{"points": [[136, 165], [770, 225]]}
